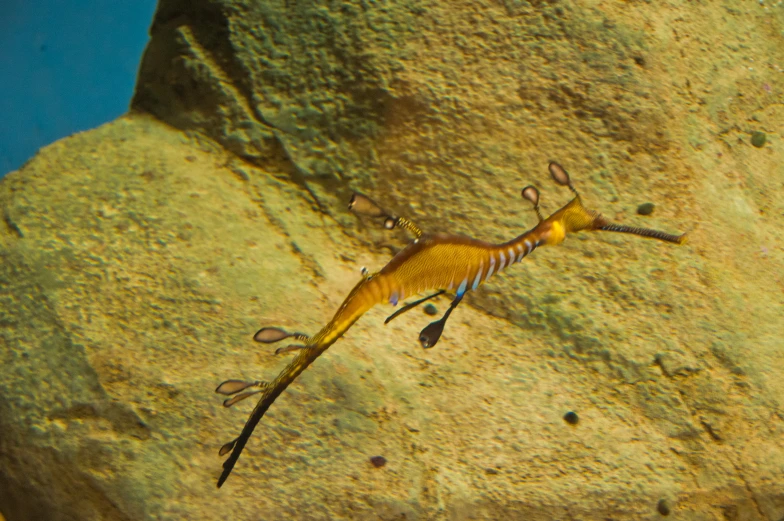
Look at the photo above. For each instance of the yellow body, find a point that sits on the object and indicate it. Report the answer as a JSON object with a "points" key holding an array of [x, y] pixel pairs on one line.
{"points": [[432, 262]]}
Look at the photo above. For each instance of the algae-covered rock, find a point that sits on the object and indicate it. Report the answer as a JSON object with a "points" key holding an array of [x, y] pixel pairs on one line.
{"points": [[139, 258]]}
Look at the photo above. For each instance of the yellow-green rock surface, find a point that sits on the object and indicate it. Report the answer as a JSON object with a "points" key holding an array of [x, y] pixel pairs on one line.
{"points": [[139, 258]]}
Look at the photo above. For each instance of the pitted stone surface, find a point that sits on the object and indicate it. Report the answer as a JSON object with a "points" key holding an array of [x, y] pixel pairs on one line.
{"points": [[139, 258]]}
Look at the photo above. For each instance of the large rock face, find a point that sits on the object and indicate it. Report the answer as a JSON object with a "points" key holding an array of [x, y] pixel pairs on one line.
{"points": [[139, 258]]}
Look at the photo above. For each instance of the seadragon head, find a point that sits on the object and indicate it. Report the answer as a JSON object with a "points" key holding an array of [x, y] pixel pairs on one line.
{"points": [[575, 217]]}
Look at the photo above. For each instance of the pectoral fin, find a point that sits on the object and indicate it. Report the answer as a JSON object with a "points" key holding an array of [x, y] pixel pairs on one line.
{"points": [[411, 305]]}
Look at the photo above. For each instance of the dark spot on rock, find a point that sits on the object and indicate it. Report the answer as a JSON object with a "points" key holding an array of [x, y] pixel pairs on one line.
{"points": [[430, 309], [663, 507], [758, 139], [571, 418], [646, 208], [378, 461]]}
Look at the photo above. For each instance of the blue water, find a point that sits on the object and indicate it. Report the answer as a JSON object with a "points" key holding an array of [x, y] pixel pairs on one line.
{"points": [[65, 66]]}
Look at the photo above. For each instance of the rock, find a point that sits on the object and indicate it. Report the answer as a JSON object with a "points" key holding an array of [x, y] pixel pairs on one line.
{"points": [[758, 139], [139, 258], [645, 209], [663, 507]]}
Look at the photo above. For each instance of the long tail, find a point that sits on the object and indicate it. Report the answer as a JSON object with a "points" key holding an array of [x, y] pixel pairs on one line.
{"points": [[270, 394], [363, 297]]}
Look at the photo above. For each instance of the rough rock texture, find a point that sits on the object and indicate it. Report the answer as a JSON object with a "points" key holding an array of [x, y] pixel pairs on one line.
{"points": [[137, 261]]}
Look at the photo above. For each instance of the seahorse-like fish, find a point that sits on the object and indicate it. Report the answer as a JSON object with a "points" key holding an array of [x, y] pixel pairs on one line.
{"points": [[447, 263]]}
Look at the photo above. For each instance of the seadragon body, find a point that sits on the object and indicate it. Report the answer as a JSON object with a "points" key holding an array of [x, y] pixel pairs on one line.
{"points": [[447, 263]]}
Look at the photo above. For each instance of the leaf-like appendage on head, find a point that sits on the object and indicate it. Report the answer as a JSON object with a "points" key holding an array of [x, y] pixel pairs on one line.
{"points": [[363, 205], [559, 174], [531, 194]]}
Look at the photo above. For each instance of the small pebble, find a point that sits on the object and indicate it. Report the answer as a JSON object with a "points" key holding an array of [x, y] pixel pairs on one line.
{"points": [[378, 461], [758, 139], [430, 309], [663, 507], [645, 209], [571, 418]]}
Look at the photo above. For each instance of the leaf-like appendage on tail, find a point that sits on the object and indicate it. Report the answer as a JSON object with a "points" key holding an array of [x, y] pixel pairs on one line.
{"points": [[270, 394], [354, 306]]}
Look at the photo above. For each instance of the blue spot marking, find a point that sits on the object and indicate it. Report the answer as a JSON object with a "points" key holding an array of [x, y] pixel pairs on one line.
{"points": [[462, 287]]}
